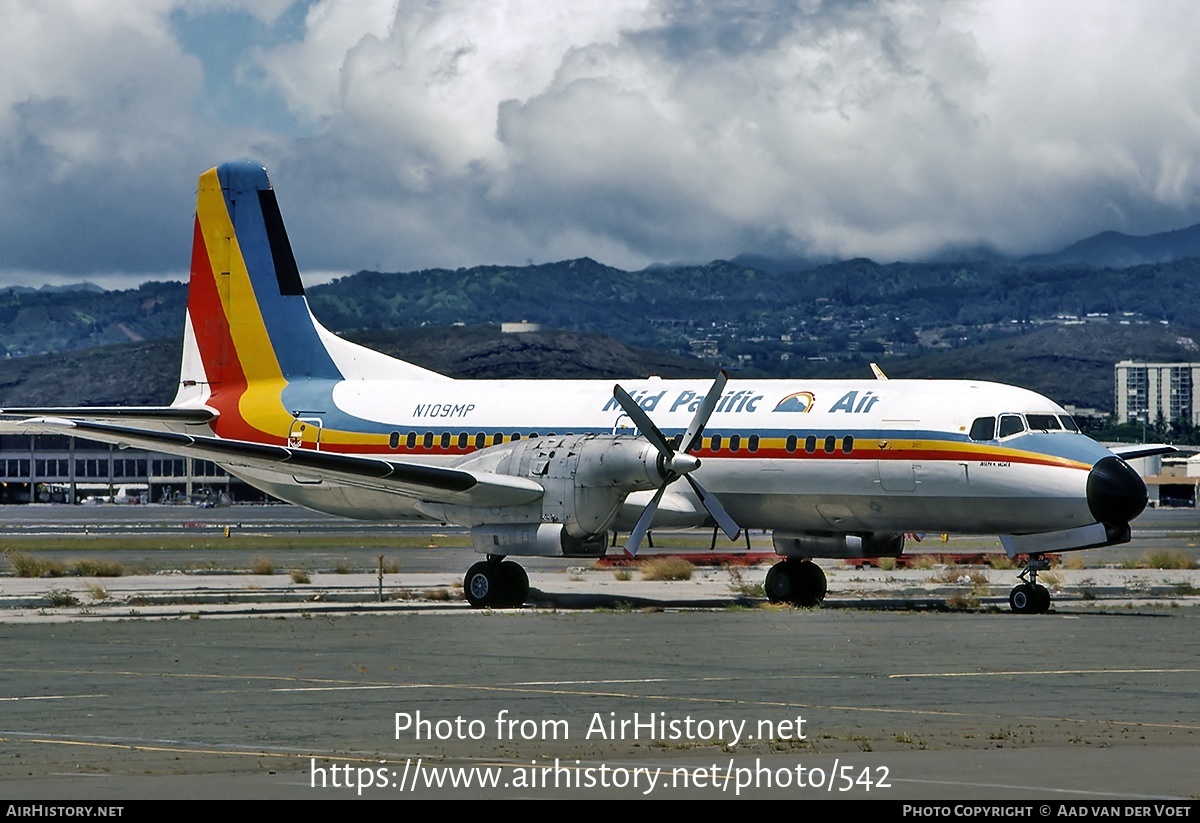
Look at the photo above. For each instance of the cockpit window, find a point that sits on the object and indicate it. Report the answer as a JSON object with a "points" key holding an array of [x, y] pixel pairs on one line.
{"points": [[984, 428], [1043, 422], [1068, 423], [1011, 424]]}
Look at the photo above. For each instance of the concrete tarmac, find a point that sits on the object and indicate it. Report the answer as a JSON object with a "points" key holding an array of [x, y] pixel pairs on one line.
{"points": [[603, 688], [910, 705]]}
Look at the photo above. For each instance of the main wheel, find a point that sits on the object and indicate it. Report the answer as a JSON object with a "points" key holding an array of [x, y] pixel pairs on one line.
{"points": [[801, 583], [1041, 599], [779, 585], [481, 584], [812, 586], [513, 585], [1023, 599]]}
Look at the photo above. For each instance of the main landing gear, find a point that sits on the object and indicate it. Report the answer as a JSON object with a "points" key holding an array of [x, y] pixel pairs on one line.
{"points": [[496, 583], [798, 582], [1030, 597]]}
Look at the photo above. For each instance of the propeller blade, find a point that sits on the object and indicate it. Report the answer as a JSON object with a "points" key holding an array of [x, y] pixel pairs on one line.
{"points": [[713, 506], [643, 524], [696, 428], [642, 420], [677, 463]]}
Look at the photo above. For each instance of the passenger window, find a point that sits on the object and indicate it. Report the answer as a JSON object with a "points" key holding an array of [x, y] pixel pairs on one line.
{"points": [[847, 444], [445, 440], [716, 442], [428, 440], [830, 444], [735, 442], [752, 443], [410, 440], [515, 437], [394, 440], [480, 440], [462, 440], [791, 443], [810, 443], [497, 438], [984, 428], [1011, 424]]}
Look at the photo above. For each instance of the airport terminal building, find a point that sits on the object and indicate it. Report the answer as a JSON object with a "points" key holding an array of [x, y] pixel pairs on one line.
{"points": [[62, 469]]}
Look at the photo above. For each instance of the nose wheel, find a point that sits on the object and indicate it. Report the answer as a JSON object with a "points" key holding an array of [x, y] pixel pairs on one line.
{"points": [[1030, 597]]}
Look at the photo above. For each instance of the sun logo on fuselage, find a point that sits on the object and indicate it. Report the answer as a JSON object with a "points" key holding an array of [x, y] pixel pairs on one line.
{"points": [[801, 401]]}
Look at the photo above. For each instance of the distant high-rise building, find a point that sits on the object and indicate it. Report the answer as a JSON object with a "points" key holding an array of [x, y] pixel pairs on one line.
{"points": [[1149, 392]]}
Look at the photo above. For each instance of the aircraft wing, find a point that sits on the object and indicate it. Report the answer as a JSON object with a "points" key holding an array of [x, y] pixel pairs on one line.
{"points": [[1142, 450], [417, 481]]}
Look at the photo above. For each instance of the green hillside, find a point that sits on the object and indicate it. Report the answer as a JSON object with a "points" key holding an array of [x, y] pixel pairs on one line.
{"points": [[1071, 364]]}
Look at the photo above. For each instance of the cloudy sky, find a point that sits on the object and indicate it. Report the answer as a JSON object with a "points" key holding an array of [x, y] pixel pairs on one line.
{"points": [[404, 134]]}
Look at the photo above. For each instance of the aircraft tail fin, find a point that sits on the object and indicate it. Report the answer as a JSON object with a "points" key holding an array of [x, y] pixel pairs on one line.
{"points": [[248, 320]]}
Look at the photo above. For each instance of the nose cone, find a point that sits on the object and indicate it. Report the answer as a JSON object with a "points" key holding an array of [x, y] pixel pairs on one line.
{"points": [[1115, 492]]}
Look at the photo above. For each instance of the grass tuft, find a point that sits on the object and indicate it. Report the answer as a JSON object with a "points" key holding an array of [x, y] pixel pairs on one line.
{"points": [[262, 565], [97, 592], [27, 565], [300, 577], [667, 568], [963, 602], [60, 598], [96, 568], [1168, 560], [739, 585]]}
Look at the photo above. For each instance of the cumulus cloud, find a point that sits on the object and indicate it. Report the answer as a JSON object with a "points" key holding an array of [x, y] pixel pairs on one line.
{"points": [[471, 131], [98, 137]]}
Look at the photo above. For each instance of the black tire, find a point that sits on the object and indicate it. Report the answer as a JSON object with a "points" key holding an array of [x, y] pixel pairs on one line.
{"points": [[480, 584], [513, 584], [1023, 599], [811, 585], [1041, 599], [779, 585], [798, 582]]}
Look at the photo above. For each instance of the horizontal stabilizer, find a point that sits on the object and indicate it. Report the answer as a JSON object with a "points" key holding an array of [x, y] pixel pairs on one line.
{"points": [[160, 414], [417, 481]]}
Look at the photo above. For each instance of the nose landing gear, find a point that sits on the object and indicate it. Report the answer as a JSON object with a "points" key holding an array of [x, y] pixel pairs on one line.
{"points": [[1030, 597]]}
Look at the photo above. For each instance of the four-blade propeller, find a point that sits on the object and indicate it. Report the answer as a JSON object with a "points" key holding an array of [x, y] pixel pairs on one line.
{"points": [[675, 461]]}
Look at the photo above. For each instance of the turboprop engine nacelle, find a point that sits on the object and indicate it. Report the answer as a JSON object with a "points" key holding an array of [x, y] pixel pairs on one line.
{"points": [[535, 539], [585, 479], [842, 546]]}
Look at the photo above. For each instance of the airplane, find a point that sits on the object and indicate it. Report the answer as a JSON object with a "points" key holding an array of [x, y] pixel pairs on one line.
{"points": [[833, 468]]}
